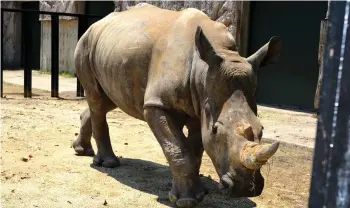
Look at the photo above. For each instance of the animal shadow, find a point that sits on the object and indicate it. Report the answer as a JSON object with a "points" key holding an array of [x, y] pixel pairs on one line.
{"points": [[154, 178]]}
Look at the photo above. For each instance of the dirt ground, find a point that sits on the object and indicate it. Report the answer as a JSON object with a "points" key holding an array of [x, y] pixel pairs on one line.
{"points": [[39, 167]]}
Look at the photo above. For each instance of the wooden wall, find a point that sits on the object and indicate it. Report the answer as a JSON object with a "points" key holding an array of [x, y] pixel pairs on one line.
{"points": [[12, 30], [68, 37], [68, 34], [227, 12]]}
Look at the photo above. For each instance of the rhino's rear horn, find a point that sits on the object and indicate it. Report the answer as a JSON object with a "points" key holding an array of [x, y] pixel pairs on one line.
{"points": [[254, 155], [246, 131]]}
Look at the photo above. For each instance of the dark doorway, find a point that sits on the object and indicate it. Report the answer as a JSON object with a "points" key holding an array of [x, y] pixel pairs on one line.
{"points": [[35, 30], [292, 81]]}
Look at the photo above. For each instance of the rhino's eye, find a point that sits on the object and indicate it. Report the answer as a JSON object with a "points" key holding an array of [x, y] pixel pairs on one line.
{"points": [[214, 129]]}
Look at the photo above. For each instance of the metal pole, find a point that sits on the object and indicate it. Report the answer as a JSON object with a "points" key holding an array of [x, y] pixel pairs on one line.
{"points": [[330, 184], [54, 55], [2, 54], [82, 27], [27, 37]]}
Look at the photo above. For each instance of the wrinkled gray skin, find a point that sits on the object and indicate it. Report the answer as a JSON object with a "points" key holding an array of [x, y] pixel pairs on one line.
{"points": [[175, 69]]}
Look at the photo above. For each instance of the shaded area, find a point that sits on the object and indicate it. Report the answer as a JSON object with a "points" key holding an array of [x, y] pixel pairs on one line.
{"points": [[293, 79], [154, 178]]}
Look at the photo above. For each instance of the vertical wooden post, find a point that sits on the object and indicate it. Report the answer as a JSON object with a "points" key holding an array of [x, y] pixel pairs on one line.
{"points": [[2, 54], [82, 27], [244, 29], [330, 183], [322, 43]]}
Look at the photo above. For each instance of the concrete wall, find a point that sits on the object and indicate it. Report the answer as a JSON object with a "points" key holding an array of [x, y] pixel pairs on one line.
{"points": [[12, 36]]}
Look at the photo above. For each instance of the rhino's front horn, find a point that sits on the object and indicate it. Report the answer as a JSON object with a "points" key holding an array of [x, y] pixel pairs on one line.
{"points": [[254, 155]]}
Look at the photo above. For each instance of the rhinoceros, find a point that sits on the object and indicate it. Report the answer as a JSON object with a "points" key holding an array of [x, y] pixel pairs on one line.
{"points": [[173, 69]]}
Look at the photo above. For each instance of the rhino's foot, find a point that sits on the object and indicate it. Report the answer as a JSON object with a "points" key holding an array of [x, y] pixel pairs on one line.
{"points": [[187, 196], [110, 161], [83, 149]]}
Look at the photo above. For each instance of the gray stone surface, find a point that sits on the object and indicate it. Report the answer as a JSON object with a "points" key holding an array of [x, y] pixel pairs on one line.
{"points": [[67, 6], [226, 12]]}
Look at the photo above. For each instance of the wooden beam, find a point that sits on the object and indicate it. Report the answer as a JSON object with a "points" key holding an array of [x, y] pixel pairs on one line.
{"points": [[244, 29], [330, 182], [322, 43]]}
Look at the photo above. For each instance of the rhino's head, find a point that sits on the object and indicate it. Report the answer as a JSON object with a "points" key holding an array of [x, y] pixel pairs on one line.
{"points": [[229, 124]]}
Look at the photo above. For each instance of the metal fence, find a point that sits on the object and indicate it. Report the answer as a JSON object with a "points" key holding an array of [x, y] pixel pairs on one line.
{"points": [[27, 37]]}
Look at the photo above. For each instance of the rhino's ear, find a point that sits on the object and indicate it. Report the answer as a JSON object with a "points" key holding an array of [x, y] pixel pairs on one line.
{"points": [[268, 54], [205, 48]]}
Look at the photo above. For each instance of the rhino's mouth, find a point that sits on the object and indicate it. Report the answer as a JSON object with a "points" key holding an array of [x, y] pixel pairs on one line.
{"points": [[227, 184], [235, 185]]}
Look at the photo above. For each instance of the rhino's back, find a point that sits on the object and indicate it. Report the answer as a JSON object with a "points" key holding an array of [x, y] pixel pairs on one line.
{"points": [[123, 46], [120, 52]]}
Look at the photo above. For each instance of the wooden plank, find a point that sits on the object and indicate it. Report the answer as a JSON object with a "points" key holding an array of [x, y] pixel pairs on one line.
{"points": [[244, 29], [322, 43]]}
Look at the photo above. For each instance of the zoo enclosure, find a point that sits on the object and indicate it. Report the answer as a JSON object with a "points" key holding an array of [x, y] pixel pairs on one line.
{"points": [[330, 186], [27, 42]]}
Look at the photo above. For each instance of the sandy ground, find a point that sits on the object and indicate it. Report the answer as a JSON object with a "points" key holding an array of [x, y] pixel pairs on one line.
{"points": [[41, 130]]}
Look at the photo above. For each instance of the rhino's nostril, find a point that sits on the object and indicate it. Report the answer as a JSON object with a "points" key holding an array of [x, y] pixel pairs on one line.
{"points": [[226, 182]]}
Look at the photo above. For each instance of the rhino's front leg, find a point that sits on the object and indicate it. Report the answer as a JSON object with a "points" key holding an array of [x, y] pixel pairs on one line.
{"points": [[194, 142], [187, 190]]}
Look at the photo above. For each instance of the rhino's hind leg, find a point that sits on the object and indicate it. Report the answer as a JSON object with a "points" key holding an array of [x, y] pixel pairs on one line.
{"points": [[186, 187], [99, 107], [82, 145]]}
